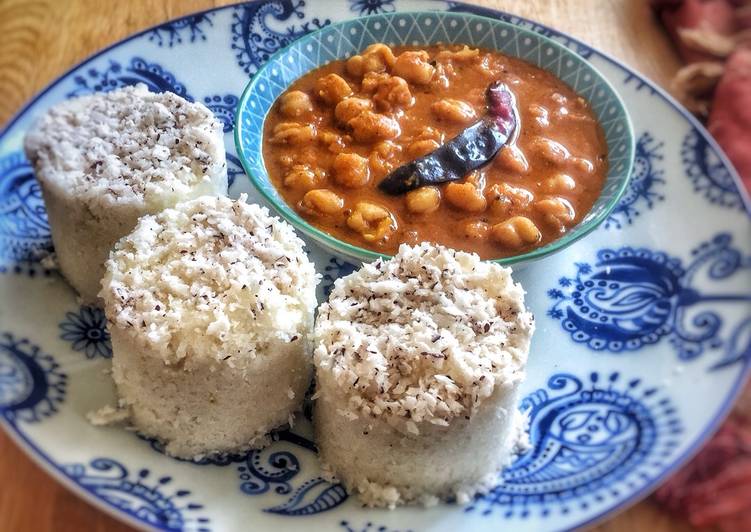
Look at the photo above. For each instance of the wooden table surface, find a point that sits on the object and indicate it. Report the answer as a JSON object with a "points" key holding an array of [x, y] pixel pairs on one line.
{"points": [[41, 39]]}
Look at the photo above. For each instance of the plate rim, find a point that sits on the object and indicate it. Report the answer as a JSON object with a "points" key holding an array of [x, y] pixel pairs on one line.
{"points": [[49, 466]]}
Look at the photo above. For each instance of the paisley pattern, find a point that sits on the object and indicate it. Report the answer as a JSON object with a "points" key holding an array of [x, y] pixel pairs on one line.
{"points": [[24, 230], [633, 297], [186, 29], [597, 438], [589, 441], [148, 500], [115, 76], [708, 173], [277, 470], [647, 178], [87, 332], [260, 29], [32, 385]]}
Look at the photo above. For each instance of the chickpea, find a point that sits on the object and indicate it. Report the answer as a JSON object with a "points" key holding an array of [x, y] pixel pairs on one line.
{"points": [[431, 133], [516, 232], [372, 221], [556, 212], [464, 55], [440, 81], [293, 133], [541, 115], [512, 159], [583, 165], [333, 141], [465, 196], [351, 170], [414, 67], [559, 184], [559, 98], [382, 157], [476, 230], [550, 150], [323, 201], [423, 200], [295, 104], [422, 147], [332, 89], [453, 110], [505, 199], [393, 92], [302, 177], [375, 58], [372, 80], [370, 126], [349, 108], [286, 160]]}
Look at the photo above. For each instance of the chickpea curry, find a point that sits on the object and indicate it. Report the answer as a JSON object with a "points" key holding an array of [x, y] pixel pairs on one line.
{"points": [[463, 147]]}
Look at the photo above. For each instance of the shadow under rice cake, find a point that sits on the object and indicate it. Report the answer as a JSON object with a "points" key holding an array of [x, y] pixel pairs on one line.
{"points": [[106, 159], [418, 361], [210, 305]]}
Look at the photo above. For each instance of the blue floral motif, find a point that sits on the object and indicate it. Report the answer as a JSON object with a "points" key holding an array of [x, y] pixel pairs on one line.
{"points": [[138, 495], [335, 269], [234, 169], [274, 469], [646, 177], [24, 230], [87, 332], [710, 176], [224, 108], [32, 385], [580, 48], [260, 29], [367, 527], [371, 7], [589, 441], [116, 76], [635, 297], [188, 28]]}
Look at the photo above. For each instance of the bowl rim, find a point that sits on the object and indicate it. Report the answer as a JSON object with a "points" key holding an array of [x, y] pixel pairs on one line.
{"points": [[363, 254]]}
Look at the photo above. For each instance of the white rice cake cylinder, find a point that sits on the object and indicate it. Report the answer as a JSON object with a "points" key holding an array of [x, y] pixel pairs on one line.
{"points": [[106, 159], [210, 305], [418, 365]]}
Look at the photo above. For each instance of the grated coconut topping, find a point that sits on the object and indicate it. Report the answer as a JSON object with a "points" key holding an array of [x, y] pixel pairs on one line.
{"points": [[212, 275], [425, 336], [128, 145]]}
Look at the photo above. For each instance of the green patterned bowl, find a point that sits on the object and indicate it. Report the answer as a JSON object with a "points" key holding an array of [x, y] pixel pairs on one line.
{"points": [[342, 40]]}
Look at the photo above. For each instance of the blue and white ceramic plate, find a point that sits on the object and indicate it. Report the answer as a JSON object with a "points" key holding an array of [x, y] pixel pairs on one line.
{"points": [[643, 340]]}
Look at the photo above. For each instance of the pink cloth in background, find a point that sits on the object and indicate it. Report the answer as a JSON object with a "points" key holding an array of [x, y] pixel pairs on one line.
{"points": [[714, 489], [719, 31], [715, 15], [730, 116]]}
